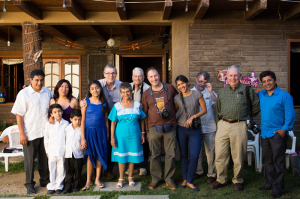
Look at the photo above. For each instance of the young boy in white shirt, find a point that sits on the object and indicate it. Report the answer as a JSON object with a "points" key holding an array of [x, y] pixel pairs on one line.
{"points": [[54, 141], [73, 154]]}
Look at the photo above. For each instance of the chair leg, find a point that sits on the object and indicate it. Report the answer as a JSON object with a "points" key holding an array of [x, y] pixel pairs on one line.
{"points": [[6, 163], [287, 161], [249, 154]]}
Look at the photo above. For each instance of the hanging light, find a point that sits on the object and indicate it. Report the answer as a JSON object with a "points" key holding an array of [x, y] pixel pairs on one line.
{"points": [[64, 4], [4, 7], [111, 42], [8, 40], [186, 6], [247, 7]]}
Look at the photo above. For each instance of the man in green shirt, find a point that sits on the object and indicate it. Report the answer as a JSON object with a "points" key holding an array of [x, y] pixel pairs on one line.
{"points": [[232, 113]]}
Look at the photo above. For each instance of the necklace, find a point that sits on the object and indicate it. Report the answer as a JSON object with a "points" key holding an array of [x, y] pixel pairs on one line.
{"points": [[124, 110]]}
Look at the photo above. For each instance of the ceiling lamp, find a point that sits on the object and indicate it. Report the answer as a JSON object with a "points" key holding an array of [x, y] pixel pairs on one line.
{"points": [[111, 42], [8, 40], [4, 7], [64, 4]]}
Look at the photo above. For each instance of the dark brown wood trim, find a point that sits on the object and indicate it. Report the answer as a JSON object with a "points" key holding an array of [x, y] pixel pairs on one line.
{"points": [[75, 9], [99, 32], [66, 34], [128, 33], [256, 9], [292, 13], [167, 10], [121, 9], [30, 9], [201, 9]]}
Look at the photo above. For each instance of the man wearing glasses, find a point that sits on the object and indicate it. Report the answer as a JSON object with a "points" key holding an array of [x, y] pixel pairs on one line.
{"points": [[208, 125]]}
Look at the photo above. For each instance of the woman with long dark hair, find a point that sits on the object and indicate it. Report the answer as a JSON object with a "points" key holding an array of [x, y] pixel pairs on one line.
{"points": [[94, 132], [187, 104], [63, 96]]}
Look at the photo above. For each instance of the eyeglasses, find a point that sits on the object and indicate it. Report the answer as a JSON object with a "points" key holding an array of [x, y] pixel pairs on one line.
{"points": [[112, 74], [201, 82]]}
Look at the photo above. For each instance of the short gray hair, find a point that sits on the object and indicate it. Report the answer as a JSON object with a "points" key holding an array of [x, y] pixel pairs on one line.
{"points": [[205, 74], [125, 85], [235, 67], [109, 66], [138, 69]]}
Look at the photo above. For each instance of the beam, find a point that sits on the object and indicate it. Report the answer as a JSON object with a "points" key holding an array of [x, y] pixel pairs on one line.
{"points": [[75, 9], [162, 31], [257, 8], [4, 37], [66, 34], [292, 13], [201, 9], [18, 28], [121, 8], [97, 30], [128, 33], [167, 9], [30, 9]]}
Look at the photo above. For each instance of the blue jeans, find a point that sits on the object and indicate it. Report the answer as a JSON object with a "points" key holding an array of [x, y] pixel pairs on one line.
{"points": [[184, 137]]}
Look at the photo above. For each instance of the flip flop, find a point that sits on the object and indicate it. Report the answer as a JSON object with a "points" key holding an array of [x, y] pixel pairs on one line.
{"points": [[87, 187], [101, 185]]}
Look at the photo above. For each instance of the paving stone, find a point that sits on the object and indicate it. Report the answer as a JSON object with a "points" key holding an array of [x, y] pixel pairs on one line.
{"points": [[144, 197], [75, 197], [20, 198], [111, 186]]}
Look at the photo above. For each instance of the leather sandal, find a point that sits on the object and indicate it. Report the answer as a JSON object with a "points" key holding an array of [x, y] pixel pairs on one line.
{"points": [[101, 185], [120, 184], [131, 183], [87, 187]]}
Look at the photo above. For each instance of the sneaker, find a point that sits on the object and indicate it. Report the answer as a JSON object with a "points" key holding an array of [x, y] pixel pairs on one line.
{"points": [[143, 172], [30, 190], [135, 171], [50, 192]]}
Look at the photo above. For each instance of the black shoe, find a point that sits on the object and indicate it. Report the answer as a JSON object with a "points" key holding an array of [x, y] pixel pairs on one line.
{"points": [[264, 188], [31, 190], [43, 185], [76, 190], [67, 191], [58, 191], [197, 176], [50, 192], [210, 180], [275, 195]]}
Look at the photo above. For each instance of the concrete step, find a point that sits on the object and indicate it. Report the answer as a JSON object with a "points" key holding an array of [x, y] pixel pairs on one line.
{"points": [[144, 197], [111, 186], [75, 197]]}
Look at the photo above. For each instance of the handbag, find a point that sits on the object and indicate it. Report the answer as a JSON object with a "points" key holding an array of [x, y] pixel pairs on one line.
{"points": [[196, 123], [295, 160]]}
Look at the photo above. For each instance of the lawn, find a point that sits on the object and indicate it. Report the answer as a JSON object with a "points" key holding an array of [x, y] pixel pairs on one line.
{"points": [[253, 180]]}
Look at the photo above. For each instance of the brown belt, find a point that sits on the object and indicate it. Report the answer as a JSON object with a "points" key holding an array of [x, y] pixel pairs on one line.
{"points": [[232, 121]]}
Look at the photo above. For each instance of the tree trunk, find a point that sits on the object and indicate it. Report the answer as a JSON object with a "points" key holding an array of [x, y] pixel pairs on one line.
{"points": [[31, 37]]}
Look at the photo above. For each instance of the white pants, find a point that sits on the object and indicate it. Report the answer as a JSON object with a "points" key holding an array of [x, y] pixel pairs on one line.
{"points": [[57, 172]]}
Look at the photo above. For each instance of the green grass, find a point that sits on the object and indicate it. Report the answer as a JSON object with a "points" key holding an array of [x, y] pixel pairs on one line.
{"points": [[15, 167], [252, 179]]}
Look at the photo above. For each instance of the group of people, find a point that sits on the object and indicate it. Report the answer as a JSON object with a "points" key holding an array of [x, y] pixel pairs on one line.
{"points": [[122, 122]]}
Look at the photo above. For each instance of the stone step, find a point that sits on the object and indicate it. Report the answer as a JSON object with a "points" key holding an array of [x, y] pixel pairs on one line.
{"points": [[111, 186], [20, 198], [75, 197], [144, 197]]}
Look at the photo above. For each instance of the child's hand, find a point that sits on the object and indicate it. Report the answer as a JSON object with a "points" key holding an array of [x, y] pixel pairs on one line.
{"points": [[83, 145], [47, 155], [51, 120]]}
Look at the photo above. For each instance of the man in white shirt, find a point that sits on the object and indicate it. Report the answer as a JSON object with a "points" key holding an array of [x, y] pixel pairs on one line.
{"points": [[31, 110], [208, 125], [138, 88]]}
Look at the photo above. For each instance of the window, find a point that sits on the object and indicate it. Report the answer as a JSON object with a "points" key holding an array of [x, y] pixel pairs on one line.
{"points": [[294, 70], [57, 69]]}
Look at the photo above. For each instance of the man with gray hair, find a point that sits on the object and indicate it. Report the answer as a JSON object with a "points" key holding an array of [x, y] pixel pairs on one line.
{"points": [[138, 88], [231, 115], [208, 125]]}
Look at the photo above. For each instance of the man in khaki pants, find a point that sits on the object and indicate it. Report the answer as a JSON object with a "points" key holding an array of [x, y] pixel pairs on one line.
{"points": [[232, 113]]}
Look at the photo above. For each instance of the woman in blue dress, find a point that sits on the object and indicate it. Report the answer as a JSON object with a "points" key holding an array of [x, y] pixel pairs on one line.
{"points": [[94, 132], [126, 135]]}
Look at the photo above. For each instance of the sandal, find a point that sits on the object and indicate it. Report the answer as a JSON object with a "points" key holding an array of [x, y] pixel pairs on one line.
{"points": [[131, 183], [87, 187], [120, 184], [101, 185]]}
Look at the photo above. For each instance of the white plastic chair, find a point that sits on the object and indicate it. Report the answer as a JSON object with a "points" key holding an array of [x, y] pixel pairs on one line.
{"points": [[289, 151], [13, 134], [253, 147]]}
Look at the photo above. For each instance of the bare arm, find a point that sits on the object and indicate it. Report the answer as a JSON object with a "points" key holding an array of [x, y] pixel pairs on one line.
{"points": [[203, 111], [23, 137], [113, 128], [74, 103], [143, 139], [83, 140], [212, 95], [176, 107]]}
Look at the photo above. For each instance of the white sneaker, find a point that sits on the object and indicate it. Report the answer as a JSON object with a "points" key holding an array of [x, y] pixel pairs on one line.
{"points": [[143, 172]]}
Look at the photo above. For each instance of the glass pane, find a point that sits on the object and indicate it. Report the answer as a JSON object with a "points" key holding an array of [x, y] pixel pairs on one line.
{"points": [[48, 81], [75, 92], [55, 69], [55, 79], [68, 68], [68, 77], [75, 81], [75, 68], [47, 68]]}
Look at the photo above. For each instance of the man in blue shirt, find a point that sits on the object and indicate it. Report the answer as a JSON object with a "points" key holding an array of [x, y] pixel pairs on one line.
{"points": [[277, 118]]}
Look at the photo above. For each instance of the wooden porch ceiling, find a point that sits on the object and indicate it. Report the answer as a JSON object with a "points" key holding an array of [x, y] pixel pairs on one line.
{"points": [[79, 8]]}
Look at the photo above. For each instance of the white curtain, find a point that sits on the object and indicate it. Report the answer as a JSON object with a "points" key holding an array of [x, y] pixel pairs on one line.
{"points": [[12, 61]]}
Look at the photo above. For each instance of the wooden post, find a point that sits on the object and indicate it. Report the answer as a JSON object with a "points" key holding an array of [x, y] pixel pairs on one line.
{"points": [[31, 37]]}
